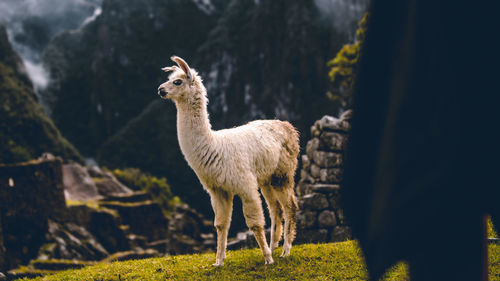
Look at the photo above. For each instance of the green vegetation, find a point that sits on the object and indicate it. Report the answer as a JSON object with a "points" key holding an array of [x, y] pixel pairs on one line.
{"points": [[334, 261], [491, 229], [344, 67], [157, 187], [26, 131]]}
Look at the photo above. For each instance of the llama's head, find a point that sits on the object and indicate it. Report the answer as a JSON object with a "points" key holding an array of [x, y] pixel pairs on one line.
{"points": [[183, 85]]}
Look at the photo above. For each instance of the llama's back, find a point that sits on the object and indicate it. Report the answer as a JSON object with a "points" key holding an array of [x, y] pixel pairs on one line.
{"points": [[265, 147]]}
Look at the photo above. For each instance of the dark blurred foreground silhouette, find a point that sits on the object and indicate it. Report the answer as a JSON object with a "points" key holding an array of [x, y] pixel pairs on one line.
{"points": [[422, 165]]}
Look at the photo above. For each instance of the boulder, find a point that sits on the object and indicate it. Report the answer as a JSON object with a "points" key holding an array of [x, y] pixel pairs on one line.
{"points": [[340, 233], [313, 201], [327, 159], [311, 147], [331, 175], [78, 185], [306, 219], [144, 218], [329, 123], [333, 141], [106, 183], [327, 219]]}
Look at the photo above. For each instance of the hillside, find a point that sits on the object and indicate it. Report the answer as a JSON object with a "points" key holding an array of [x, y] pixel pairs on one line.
{"points": [[334, 261], [26, 130]]}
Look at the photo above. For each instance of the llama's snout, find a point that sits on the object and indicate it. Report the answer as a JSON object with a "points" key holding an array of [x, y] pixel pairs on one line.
{"points": [[162, 92]]}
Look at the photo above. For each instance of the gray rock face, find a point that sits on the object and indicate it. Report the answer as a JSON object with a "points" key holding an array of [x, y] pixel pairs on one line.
{"points": [[107, 184], [78, 185], [70, 241]]}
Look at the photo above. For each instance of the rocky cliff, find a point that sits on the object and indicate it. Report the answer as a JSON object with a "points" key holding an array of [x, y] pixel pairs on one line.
{"points": [[107, 72], [25, 130]]}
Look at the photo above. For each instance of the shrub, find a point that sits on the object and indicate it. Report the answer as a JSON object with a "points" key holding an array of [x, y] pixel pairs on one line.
{"points": [[344, 67], [157, 187]]}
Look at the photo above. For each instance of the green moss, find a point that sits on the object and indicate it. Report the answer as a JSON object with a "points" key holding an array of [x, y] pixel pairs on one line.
{"points": [[26, 130], [334, 261], [157, 187], [491, 228], [343, 67]]}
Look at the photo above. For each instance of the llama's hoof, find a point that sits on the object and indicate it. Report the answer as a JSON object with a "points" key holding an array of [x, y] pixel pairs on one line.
{"points": [[270, 260], [218, 263], [286, 252]]}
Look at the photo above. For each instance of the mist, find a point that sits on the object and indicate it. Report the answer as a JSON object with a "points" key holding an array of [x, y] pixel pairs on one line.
{"points": [[31, 24], [342, 15]]}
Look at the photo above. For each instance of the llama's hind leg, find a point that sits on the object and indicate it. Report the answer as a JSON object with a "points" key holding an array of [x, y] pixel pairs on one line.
{"points": [[289, 202], [254, 217], [222, 204], [276, 214]]}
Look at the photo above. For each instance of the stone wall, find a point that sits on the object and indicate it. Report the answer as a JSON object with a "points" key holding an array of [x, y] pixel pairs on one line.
{"points": [[107, 222], [31, 193], [320, 218]]}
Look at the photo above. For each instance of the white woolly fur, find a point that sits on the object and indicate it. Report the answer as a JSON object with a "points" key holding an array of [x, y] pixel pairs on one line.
{"points": [[237, 161]]}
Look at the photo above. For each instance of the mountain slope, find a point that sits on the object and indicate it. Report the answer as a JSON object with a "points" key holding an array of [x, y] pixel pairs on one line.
{"points": [[107, 72], [25, 130]]}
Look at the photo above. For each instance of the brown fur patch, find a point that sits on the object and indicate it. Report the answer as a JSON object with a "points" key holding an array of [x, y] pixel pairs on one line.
{"points": [[279, 180]]}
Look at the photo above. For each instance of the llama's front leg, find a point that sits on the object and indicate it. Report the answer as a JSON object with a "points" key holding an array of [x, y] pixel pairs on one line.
{"points": [[222, 204], [254, 217]]}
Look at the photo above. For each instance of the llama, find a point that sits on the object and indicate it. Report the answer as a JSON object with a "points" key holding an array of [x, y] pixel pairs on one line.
{"points": [[237, 161]]}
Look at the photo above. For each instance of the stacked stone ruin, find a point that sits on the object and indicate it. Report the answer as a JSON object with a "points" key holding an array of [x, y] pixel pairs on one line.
{"points": [[56, 216], [320, 218]]}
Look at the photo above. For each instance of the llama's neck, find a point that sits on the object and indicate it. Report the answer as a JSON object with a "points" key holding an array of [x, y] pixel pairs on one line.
{"points": [[193, 130]]}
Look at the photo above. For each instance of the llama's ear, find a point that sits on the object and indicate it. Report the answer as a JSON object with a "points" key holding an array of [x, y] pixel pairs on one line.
{"points": [[169, 68], [183, 65]]}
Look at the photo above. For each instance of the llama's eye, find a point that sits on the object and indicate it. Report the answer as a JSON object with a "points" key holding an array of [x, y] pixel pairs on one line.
{"points": [[178, 82]]}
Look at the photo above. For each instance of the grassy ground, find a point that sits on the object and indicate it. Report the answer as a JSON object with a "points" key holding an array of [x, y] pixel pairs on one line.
{"points": [[334, 261]]}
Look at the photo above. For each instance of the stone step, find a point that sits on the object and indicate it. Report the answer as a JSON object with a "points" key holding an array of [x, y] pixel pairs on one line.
{"points": [[59, 264], [24, 272], [132, 255], [144, 218], [138, 196], [137, 240]]}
